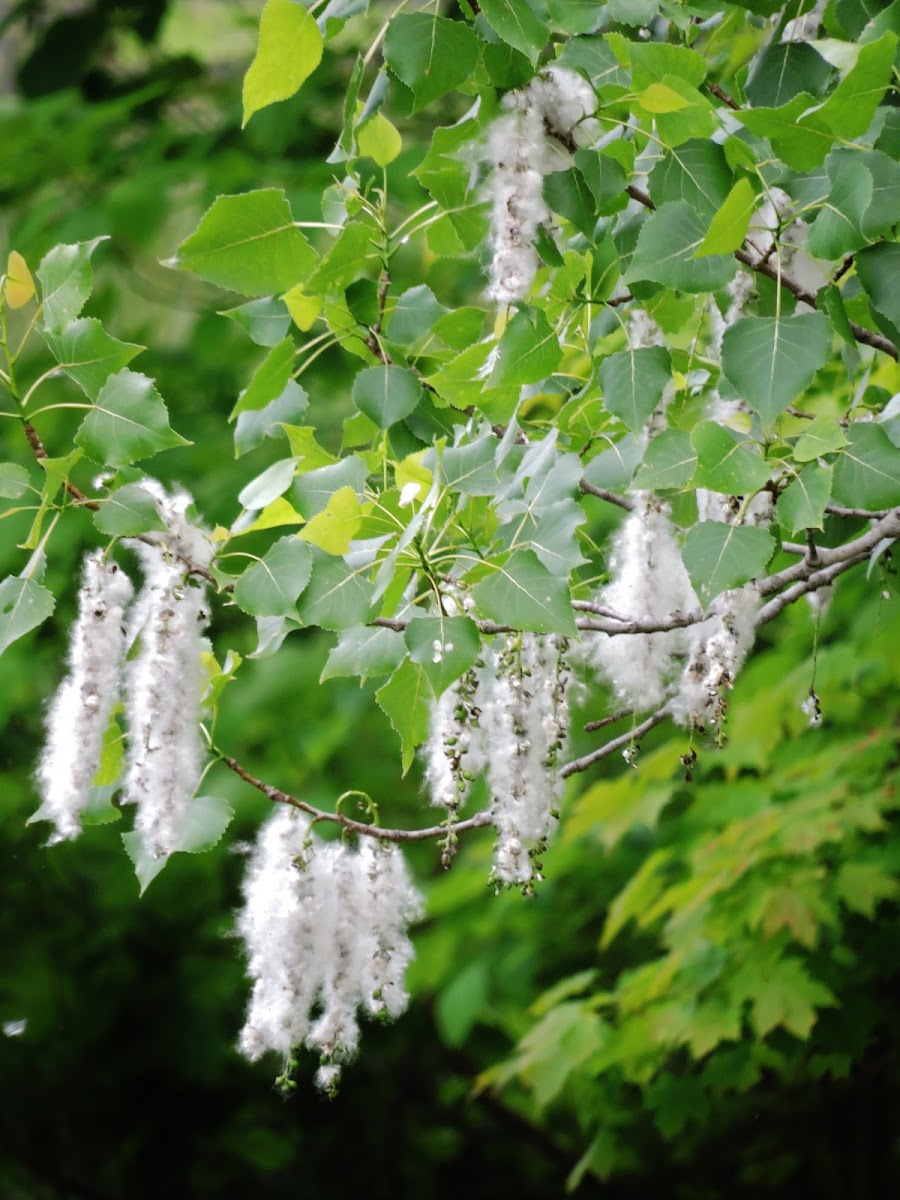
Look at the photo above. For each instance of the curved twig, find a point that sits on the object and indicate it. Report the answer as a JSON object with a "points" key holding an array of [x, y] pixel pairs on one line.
{"points": [[318, 814]]}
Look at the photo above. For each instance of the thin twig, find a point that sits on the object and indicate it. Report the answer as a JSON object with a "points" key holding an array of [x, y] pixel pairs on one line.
{"points": [[625, 739], [602, 494], [388, 835], [723, 96], [593, 726]]}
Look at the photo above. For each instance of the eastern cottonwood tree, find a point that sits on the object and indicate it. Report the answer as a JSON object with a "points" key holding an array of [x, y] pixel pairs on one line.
{"points": [[665, 415]]}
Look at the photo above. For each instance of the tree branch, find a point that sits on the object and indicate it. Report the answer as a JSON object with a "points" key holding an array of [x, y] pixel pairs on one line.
{"points": [[762, 265], [588, 489], [619, 743], [387, 835]]}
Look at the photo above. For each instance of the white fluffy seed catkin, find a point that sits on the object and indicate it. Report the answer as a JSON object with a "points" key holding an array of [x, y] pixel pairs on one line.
{"points": [[526, 728], [325, 929], [648, 583], [719, 648], [165, 685], [518, 150], [80, 712], [280, 927]]}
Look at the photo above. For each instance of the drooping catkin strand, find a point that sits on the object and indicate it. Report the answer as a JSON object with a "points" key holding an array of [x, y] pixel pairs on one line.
{"points": [[325, 929], [163, 704], [526, 727], [518, 150], [718, 649], [649, 582], [80, 711], [282, 933]]}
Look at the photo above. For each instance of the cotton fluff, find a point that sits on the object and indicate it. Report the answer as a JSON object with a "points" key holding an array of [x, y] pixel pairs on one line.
{"points": [[325, 929], [526, 729], [520, 155], [80, 712], [283, 936], [454, 751], [649, 583], [719, 647], [165, 684], [517, 149]]}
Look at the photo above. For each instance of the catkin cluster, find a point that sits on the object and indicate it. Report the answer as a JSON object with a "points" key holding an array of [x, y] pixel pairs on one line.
{"points": [[325, 929], [520, 155], [161, 684], [508, 716], [692, 668]]}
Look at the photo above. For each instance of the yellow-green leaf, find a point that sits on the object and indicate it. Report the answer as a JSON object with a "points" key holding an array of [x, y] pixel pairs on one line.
{"points": [[19, 284], [289, 50], [728, 227], [336, 525], [659, 98], [378, 139], [304, 309]]}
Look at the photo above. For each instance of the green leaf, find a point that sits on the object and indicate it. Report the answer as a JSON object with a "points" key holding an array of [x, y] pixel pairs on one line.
{"points": [[821, 436], [728, 227], [861, 885], [314, 489], [66, 279], [128, 422], [878, 269], [269, 421], [613, 468], [696, 172], [270, 587], [802, 504], [431, 55], [550, 532], [274, 481], [837, 229], [770, 361], [353, 253], [633, 382], [406, 701], [365, 652], [569, 194], [289, 50], [128, 511], [444, 647], [788, 996], [727, 462], [386, 394], [461, 1004], [88, 354], [206, 820], [528, 351], [719, 556], [249, 243], [524, 594], [469, 468], [304, 447], [518, 25], [338, 595], [850, 108], [652, 61], [24, 604], [266, 320], [802, 145], [14, 480], [270, 379], [665, 250], [337, 524], [414, 315], [669, 462], [783, 71], [867, 470]]}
